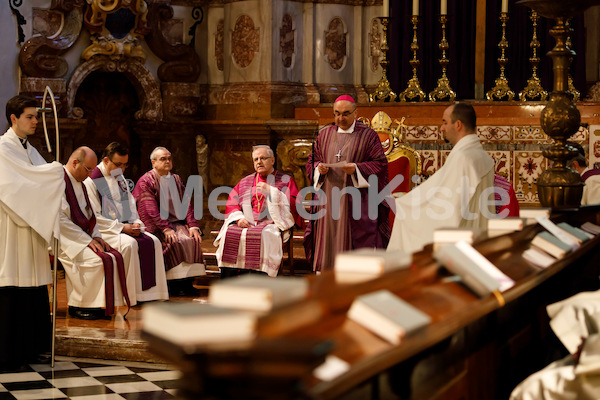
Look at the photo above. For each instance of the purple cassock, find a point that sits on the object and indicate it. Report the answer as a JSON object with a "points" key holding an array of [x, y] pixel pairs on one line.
{"points": [[147, 196], [338, 230]]}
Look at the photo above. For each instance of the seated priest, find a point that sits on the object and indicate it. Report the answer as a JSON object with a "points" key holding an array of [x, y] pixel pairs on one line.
{"points": [[590, 176], [118, 222], [98, 276], [459, 195], [260, 207], [180, 235]]}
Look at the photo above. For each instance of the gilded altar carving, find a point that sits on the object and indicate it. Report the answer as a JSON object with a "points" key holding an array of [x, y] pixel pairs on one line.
{"points": [[41, 56], [293, 156], [245, 41], [336, 43], [117, 28], [182, 64]]}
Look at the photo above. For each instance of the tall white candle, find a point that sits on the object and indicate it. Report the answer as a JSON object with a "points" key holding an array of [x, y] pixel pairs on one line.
{"points": [[415, 7], [444, 7], [386, 8], [504, 6]]}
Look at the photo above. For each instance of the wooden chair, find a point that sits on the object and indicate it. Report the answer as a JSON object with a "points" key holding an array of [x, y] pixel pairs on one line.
{"points": [[288, 246]]}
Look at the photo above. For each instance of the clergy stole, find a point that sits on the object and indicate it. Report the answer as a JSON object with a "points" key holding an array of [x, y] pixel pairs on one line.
{"points": [[145, 243], [87, 225]]}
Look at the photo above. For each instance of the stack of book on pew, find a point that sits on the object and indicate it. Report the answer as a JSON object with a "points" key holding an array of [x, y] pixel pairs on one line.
{"points": [[591, 228], [531, 214], [235, 309], [365, 264], [387, 315], [475, 271], [503, 226], [444, 236], [554, 243]]}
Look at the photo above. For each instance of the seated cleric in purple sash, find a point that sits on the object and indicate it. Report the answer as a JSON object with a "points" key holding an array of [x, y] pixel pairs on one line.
{"points": [[118, 222], [98, 276], [180, 237], [259, 208]]}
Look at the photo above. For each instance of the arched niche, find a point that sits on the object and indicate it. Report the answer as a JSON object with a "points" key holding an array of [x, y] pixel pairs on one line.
{"points": [[147, 88]]}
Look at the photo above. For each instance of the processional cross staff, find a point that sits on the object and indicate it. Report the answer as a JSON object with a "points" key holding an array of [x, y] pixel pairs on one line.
{"points": [[55, 242]]}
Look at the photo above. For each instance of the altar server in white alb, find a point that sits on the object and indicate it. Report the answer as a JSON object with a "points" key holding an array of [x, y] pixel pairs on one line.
{"points": [[30, 193], [98, 276], [458, 195], [119, 223]]}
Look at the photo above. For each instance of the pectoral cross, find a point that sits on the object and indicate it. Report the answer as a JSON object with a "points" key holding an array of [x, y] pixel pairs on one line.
{"points": [[339, 155]]}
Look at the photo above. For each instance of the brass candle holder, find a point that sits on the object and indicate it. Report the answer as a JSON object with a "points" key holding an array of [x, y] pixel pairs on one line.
{"points": [[413, 90], [560, 186], [383, 90], [443, 90], [502, 90], [534, 90], [571, 88]]}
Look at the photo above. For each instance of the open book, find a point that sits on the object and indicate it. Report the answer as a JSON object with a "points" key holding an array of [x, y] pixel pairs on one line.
{"points": [[476, 271], [387, 315], [256, 292]]}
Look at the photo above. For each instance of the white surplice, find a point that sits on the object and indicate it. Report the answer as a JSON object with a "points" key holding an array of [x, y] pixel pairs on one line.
{"points": [[270, 245], [111, 217], [83, 268], [30, 193], [591, 190], [458, 195]]}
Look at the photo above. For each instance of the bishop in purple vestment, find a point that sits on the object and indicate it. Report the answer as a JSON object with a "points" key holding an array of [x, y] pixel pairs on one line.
{"points": [[356, 154]]}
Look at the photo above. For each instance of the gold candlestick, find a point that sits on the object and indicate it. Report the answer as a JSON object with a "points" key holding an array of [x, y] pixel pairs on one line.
{"points": [[413, 89], [383, 90], [443, 90], [502, 90], [560, 186], [572, 90], [534, 89]]}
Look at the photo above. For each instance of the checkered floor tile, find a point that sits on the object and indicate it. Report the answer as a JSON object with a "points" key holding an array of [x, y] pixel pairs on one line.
{"points": [[88, 381]]}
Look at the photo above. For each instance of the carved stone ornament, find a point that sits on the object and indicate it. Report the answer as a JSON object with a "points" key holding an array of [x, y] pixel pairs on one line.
{"points": [[145, 85], [182, 64], [117, 28], [374, 44], [336, 43], [220, 45], [202, 160], [287, 41], [293, 156], [41, 56], [245, 41]]}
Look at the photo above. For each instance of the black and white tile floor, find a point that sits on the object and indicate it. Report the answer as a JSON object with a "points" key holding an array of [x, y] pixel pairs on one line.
{"points": [[88, 380]]}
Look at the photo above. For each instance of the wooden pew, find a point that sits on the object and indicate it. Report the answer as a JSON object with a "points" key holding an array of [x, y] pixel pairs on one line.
{"points": [[473, 349]]}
